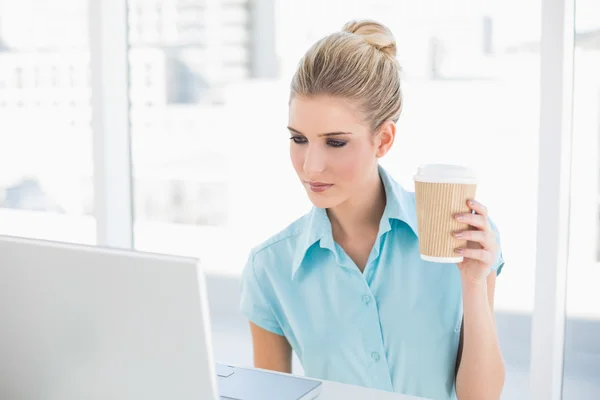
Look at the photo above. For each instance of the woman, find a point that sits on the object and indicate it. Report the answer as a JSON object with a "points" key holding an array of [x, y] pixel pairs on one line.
{"points": [[344, 286]]}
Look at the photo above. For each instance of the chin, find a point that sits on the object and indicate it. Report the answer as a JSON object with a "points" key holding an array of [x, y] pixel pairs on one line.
{"points": [[322, 201]]}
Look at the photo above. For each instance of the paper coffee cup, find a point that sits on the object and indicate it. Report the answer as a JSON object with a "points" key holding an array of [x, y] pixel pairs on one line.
{"points": [[442, 192]]}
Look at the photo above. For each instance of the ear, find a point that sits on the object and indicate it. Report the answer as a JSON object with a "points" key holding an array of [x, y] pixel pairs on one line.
{"points": [[384, 138]]}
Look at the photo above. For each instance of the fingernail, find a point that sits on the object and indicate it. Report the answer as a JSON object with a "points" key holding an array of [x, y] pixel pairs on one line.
{"points": [[471, 202], [458, 235], [460, 217], [458, 251]]}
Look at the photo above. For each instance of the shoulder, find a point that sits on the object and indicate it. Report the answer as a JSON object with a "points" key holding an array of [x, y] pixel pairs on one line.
{"points": [[278, 251], [282, 240]]}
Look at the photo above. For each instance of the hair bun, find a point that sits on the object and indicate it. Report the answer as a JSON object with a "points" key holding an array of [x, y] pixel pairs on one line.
{"points": [[374, 33]]}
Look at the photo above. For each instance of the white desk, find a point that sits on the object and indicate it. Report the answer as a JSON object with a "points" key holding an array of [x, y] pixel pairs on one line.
{"points": [[336, 391]]}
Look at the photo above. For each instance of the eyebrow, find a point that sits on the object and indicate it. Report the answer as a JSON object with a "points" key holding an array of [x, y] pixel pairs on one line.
{"points": [[322, 134]]}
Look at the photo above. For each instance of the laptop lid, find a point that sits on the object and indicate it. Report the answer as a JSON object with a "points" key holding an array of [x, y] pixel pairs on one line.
{"points": [[83, 322]]}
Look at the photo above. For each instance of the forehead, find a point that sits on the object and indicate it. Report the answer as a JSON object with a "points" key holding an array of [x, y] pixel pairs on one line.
{"points": [[322, 114]]}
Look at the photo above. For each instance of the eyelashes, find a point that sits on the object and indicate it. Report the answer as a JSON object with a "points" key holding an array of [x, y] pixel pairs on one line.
{"points": [[298, 140], [336, 143], [330, 142]]}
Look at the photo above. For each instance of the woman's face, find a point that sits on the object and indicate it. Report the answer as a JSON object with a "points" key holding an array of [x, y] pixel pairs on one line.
{"points": [[333, 151]]}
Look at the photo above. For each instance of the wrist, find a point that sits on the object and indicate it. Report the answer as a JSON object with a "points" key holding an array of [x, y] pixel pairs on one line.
{"points": [[472, 285], [474, 297]]}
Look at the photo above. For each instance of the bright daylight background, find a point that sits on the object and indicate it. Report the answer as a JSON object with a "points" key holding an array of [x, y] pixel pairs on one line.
{"points": [[209, 87]]}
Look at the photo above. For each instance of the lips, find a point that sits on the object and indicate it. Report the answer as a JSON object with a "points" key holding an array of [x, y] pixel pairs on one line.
{"points": [[318, 187]]}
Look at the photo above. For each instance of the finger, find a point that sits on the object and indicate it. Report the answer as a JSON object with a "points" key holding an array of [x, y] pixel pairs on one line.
{"points": [[482, 237], [476, 254], [475, 220], [478, 207]]}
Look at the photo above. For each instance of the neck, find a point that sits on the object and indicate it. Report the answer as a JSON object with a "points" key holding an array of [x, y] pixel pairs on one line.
{"points": [[360, 213]]}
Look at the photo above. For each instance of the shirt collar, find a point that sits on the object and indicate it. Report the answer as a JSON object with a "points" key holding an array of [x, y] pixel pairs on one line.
{"points": [[400, 205]]}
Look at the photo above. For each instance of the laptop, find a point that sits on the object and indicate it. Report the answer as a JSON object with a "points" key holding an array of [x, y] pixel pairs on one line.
{"points": [[84, 322]]}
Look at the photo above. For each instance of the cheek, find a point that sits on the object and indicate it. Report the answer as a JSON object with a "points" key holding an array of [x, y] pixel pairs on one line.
{"points": [[352, 163], [297, 157]]}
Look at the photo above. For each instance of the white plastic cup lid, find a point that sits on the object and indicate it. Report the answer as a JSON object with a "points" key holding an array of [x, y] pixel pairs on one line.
{"points": [[444, 173]]}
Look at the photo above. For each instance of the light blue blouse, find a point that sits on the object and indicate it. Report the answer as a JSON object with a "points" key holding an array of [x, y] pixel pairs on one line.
{"points": [[395, 327]]}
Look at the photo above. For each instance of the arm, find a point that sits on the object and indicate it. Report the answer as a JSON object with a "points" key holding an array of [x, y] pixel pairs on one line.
{"points": [[271, 351], [480, 366]]}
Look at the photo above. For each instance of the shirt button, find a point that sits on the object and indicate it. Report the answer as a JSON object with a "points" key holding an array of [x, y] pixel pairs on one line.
{"points": [[375, 356], [366, 299]]}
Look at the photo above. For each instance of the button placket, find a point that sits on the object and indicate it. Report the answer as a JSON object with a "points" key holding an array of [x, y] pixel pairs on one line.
{"points": [[373, 341]]}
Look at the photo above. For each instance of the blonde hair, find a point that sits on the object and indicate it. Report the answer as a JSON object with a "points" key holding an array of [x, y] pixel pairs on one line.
{"points": [[358, 63]]}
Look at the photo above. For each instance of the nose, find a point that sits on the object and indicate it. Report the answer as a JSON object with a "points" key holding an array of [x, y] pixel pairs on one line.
{"points": [[314, 160]]}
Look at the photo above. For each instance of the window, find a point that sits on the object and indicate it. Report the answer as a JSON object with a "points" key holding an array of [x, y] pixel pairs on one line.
{"points": [[463, 62], [581, 376], [45, 164], [183, 162]]}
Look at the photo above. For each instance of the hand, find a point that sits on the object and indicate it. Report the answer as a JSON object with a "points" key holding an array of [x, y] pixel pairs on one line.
{"points": [[480, 253]]}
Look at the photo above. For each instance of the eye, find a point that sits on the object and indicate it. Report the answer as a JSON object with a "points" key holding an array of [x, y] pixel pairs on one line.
{"points": [[336, 143], [298, 139]]}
